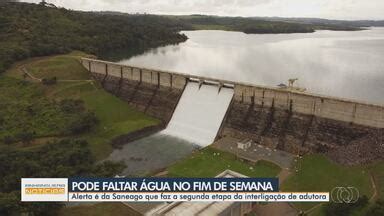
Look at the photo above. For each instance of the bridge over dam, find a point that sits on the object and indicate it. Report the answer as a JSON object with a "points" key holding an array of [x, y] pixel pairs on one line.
{"points": [[350, 132]]}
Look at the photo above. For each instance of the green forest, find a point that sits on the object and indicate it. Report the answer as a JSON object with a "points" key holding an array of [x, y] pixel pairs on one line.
{"points": [[251, 25], [29, 30], [57, 129], [246, 25]]}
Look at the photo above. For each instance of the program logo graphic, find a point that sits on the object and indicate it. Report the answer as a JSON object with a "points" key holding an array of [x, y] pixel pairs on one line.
{"points": [[345, 195], [44, 189]]}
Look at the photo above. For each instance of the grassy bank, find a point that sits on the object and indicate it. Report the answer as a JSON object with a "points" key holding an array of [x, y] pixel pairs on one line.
{"points": [[378, 173], [317, 173], [39, 108], [210, 162]]}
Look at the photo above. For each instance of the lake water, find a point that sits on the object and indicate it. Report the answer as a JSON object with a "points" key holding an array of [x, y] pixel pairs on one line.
{"points": [[335, 63]]}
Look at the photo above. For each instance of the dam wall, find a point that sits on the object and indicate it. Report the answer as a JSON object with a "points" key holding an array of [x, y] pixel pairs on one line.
{"points": [[139, 75], [349, 132], [310, 104], [140, 88]]}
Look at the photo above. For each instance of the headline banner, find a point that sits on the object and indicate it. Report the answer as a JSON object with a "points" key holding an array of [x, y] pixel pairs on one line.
{"points": [[162, 190], [173, 185]]}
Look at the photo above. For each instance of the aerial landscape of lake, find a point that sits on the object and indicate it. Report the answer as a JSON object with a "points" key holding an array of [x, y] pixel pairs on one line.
{"points": [[347, 64], [192, 107]]}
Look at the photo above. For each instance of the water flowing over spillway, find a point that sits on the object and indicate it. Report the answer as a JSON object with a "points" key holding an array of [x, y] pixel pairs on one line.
{"points": [[199, 113]]}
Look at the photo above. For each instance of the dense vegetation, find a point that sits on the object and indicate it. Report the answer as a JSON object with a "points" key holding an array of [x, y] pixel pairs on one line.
{"points": [[328, 23], [32, 115], [263, 25], [58, 130], [245, 25], [361, 207], [345, 209], [28, 30], [376, 209]]}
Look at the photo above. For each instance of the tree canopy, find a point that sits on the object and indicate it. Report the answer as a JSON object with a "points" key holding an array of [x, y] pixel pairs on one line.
{"points": [[28, 30]]}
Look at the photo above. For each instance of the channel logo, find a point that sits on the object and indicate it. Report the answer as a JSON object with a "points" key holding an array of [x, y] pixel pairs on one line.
{"points": [[345, 195], [44, 189]]}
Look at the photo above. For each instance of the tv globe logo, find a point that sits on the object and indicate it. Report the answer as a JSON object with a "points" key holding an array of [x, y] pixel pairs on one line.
{"points": [[345, 195]]}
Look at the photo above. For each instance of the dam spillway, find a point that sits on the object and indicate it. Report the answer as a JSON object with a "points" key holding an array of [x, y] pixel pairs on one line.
{"points": [[199, 113], [195, 123]]}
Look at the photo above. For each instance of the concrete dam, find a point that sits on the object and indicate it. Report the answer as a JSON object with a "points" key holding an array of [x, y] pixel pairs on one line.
{"points": [[203, 110]]}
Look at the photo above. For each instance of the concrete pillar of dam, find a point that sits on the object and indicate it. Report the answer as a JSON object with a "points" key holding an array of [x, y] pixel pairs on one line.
{"points": [[141, 75], [121, 76], [201, 82], [317, 107], [319, 111], [220, 86], [262, 99], [106, 75], [313, 107], [120, 84], [158, 80], [131, 72], [289, 102], [354, 111], [253, 97]]}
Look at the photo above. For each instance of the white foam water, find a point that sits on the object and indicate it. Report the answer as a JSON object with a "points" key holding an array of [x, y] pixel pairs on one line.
{"points": [[199, 113]]}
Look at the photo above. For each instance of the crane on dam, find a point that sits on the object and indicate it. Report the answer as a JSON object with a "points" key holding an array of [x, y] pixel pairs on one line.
{"points": [[291, 87], [46, 4], [292, 81]]}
